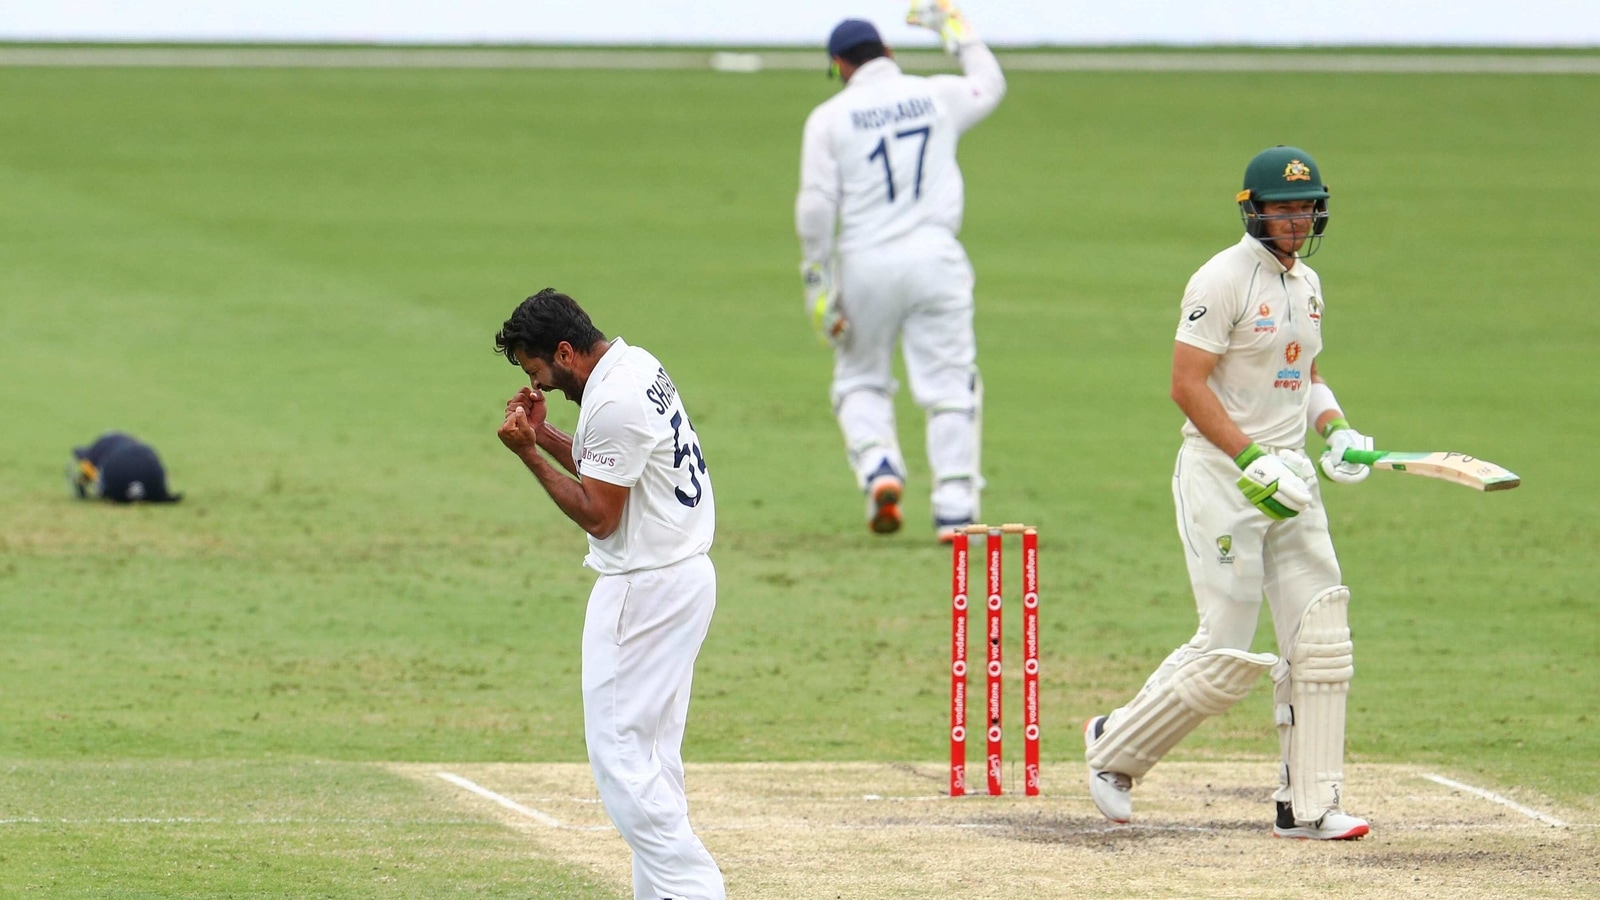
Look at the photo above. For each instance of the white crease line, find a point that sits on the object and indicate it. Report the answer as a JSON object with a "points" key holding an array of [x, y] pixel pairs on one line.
{"points": [[1492, 797], [501, 799]]}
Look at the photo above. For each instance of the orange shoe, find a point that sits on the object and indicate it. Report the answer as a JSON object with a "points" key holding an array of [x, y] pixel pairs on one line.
{"points": [[883, 504]]}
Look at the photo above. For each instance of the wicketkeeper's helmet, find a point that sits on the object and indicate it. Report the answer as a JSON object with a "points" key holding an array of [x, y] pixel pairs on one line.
{"points": [[1283, 173], [120, 468]]}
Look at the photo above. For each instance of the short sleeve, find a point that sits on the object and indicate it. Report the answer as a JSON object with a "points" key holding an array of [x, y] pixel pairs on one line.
{"points": [[1209, 311], [617, 443]]}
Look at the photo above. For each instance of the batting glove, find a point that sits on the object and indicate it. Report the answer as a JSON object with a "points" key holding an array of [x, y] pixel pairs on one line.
{"points": [[1342, 437], [942, 17], [822, 304], [1275, 484]]}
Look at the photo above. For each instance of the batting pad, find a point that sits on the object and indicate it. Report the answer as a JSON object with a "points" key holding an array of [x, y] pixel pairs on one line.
{"points": [[1321, 665], [1159, 718]]}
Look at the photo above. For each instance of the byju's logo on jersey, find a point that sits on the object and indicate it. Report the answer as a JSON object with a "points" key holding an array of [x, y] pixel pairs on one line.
{"points": [[589, 456]]}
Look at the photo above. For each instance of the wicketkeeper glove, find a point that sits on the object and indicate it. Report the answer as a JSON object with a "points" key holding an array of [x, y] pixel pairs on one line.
{"points": [[941, 16], [822, 304], [1277, 484], [1342, 437]]}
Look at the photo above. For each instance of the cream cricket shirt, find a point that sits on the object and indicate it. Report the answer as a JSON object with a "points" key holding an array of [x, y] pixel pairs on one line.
{"points": [[881, 154], [1266, 324], [633, 431]]}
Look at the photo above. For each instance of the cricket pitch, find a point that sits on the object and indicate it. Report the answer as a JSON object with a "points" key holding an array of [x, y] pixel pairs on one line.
{"points": [[865, 830]]}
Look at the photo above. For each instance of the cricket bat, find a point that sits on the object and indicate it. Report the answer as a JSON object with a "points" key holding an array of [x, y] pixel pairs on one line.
{"points": [[1445, 464]]}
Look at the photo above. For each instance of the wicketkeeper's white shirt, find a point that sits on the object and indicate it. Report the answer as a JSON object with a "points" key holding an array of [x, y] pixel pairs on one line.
{"points": [[1266, 324], [880, 156], [633, 431]]}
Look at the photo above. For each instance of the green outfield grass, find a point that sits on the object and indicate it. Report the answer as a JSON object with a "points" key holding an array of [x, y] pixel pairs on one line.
{"points": [[289, 282]]}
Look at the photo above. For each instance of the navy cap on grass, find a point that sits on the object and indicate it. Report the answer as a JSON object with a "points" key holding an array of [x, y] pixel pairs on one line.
{"points": [[120, 468]]}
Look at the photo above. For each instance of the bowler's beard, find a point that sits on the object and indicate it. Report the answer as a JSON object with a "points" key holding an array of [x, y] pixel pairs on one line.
{"points": [[565, 381]]}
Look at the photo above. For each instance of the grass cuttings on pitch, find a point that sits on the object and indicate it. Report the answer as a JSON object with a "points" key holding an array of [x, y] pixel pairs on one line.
{"points": [[288, 281]]}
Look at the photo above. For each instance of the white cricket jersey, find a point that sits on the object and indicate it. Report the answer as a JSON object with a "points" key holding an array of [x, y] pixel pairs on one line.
{"points": [[1266, 324], [633, 431], [880, 156]]}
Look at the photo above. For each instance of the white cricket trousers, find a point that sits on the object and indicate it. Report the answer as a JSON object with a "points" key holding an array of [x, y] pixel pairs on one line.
{"points": [[917, 291], [641, 634], [1237, 555]]}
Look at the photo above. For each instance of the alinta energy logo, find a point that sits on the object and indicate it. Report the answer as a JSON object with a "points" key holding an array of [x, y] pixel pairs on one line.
{"points": [[1265, 323], [1289, 377], [1296, 171]]}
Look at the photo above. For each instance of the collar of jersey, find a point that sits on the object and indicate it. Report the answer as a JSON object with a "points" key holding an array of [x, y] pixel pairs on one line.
{"points": [[872, 70], [1265, 255], [608, 359]]}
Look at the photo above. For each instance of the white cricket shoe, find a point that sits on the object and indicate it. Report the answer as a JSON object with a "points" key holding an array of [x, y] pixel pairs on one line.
{"points": [[1333, 825], [883, 504], [1112, 792]]}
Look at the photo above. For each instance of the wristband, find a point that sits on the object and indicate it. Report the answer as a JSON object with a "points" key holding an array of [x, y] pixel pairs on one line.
{"points": [[1248, 455], [1333, 425], [1319, 402]]}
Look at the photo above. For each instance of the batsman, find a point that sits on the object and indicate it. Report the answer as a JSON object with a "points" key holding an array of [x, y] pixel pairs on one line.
{"points": [[1250, 514]]}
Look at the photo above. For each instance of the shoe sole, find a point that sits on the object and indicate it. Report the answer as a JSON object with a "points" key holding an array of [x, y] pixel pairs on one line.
{"points": [[886, 517], [1311, 834]]}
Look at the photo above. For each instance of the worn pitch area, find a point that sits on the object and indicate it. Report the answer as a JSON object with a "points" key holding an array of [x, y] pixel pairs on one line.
{"points": [[863, 830]]}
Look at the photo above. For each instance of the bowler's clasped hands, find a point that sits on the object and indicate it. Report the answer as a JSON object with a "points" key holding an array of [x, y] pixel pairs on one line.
{"points": [[525, 412]]}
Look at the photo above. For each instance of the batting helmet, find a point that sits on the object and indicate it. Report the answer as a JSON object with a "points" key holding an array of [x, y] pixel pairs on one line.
{"points": [[120, 468], [1283, 173]]}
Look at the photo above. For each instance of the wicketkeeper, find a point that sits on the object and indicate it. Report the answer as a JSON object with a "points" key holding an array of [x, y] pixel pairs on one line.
{"points": [[879, 159], [1250, 513]]}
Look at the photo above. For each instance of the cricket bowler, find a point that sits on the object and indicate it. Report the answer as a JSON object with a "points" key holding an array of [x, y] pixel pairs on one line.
{"points": [[879, 158], [633, 477], [1250, 513]]}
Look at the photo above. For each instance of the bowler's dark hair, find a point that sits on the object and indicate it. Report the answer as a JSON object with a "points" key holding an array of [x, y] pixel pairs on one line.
{"points": [[861, 53], [543, 321]]}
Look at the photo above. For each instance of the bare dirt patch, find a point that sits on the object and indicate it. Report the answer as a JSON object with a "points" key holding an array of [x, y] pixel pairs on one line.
{"points": [[864, 830]]}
